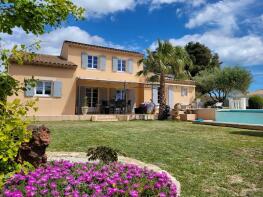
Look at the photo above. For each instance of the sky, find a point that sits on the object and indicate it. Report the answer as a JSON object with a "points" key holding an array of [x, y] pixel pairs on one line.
{"points": [[231, 28]]}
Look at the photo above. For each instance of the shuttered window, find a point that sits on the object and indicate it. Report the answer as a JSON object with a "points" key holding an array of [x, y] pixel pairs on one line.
{"points": [[92, 62], [121, 65], [184, 91], [43, 88]]}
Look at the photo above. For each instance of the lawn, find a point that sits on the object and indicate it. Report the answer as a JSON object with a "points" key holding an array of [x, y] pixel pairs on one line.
{"points": [[208, 161]]}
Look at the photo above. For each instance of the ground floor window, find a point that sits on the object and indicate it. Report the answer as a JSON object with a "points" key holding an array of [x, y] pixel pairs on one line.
{"points": [[120, 95], [184, 91], [92, 95], [43, 88]]}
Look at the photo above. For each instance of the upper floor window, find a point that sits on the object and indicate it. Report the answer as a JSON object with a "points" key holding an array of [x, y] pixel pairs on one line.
{"points": [[121, 65], [184, 91], [43, 88], [92, 61]]}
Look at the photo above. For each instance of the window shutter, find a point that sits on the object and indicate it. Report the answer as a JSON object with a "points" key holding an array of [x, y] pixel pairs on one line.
{"points": [[130, 66], [114, 64], [84, 60], [57, 90], [102, 63], [171, 97], [155, 94], [30, 91]]}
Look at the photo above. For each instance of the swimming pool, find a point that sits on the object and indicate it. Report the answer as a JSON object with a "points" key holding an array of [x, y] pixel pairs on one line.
{"points": [[248, 116]]}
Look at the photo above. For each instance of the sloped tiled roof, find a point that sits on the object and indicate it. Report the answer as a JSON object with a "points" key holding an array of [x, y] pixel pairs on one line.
{"points": [[50, 60], [102, 47]]}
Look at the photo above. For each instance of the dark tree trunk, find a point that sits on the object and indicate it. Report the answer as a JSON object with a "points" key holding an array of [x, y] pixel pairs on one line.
{"points": [[161, 115]]}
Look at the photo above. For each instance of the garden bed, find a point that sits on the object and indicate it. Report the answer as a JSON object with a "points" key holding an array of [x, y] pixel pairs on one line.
{"points": [[65, 178]]}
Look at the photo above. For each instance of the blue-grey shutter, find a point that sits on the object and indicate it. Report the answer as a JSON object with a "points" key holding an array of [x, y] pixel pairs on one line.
{"points": [[102, 63], [84, 60], [171, 97], [30, 91], [130, 66], [57, 89], [155, 95], [114, 64]]}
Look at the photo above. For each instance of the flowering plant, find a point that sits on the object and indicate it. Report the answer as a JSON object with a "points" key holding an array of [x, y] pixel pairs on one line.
{"points": [[62, 178]]}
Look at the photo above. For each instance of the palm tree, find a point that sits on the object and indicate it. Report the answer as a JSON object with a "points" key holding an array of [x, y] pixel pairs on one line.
{"points": [[165, 60]]}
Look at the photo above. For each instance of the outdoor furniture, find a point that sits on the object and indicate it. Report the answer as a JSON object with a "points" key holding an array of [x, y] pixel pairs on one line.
{"points": [[219, 105], [105, 108]]}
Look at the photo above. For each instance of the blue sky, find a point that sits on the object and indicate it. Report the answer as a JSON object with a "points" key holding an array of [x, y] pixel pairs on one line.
{"points": [[232, 28]]}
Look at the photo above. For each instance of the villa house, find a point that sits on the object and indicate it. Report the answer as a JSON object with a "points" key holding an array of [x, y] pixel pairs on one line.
{"points": [[101, 74]]}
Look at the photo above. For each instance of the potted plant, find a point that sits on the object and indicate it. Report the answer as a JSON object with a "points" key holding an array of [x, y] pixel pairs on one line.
{"points": [[85, 107]]}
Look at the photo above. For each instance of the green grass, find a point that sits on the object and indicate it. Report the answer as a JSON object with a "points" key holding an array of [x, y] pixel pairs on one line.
{"points": [[208, 161]]}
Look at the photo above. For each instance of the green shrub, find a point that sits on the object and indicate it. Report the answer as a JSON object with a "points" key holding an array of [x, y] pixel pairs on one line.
{"points": [[103, 154], [13, 132], [255, 102]]}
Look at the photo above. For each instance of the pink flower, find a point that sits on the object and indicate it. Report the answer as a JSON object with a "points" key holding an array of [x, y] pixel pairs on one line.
{"points": [[134, 193]]}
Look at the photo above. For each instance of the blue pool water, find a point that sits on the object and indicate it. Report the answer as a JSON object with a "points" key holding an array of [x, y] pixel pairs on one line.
{"points": [[249, 116]]}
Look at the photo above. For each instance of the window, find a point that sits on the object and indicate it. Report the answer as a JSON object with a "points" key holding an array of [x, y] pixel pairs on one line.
{"points": [[120, 95], [43, 88], [92, 94], [92, 61], [121, 65], [184, 91]]}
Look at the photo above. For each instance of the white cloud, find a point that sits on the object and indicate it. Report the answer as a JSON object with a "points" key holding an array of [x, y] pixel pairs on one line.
{"points": [[155, 4], [95, 8], [245, 51], [222, 14], [51, 42]]}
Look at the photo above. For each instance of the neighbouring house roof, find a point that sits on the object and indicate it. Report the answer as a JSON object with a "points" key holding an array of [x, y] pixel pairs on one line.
{"points": [[257, 92], [103, 48], [49, 60]]}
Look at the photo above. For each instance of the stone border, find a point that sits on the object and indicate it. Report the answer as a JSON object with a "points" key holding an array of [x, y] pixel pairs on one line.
{"points": [[81, 157], [233, 125]]}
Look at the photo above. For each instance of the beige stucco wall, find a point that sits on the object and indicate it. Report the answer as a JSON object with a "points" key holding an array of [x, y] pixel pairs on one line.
{"points": [[49, 105], [185, 100], [74, 55], [177, 98], [206, 113]]}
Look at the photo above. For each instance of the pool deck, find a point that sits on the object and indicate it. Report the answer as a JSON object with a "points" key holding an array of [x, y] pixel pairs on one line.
{"points": [[235, 125]]}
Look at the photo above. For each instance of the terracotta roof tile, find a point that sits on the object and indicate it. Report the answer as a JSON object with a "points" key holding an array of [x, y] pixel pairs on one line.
{"points": [[103, 47], [50, 60]]}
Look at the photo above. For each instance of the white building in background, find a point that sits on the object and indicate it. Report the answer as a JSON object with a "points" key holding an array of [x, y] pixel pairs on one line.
{"points": [[238, 103]]}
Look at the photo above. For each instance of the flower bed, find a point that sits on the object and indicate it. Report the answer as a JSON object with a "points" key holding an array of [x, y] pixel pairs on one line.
{"points": [[63, 178]]}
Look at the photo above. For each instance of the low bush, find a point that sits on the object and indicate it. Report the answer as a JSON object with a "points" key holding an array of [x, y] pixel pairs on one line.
{"points": [[62, 178], [104, 154], [255, 102]]}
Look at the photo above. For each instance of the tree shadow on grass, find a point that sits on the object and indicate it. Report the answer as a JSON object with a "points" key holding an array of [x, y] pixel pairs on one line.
{"points": [[248, 133]]}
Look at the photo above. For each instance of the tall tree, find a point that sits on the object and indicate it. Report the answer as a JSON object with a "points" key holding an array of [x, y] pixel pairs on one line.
{"points": [[34, 15], [202, 58], [219, 83], [165, 60]]}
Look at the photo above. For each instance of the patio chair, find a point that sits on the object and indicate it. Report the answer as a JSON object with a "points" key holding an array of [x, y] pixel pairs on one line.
{"points": [[219, 105], [105, 108]]}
